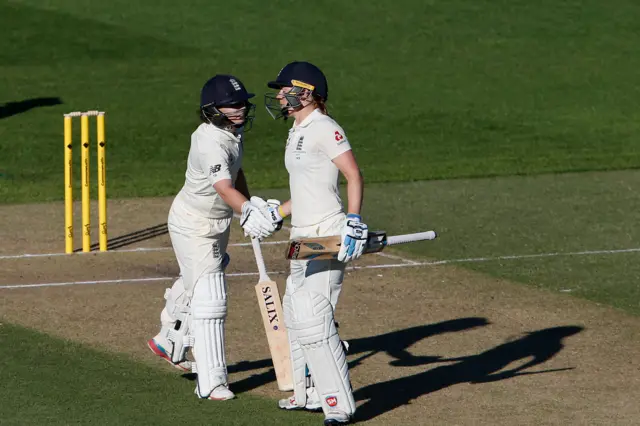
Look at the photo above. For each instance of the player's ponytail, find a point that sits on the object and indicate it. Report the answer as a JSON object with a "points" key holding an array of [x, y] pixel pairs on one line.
{"points": [[320, 104]]}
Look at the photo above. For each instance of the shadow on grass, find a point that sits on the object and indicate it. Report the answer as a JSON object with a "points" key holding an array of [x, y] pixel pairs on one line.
{"points": [[540, 345], [15, 108], [395, 344], [537, 347], [132, 237]]}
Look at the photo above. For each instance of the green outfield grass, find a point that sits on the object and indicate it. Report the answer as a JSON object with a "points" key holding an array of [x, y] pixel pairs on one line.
{"points": [[424, 89], [533, 215], [447, 105], [55, 382]]}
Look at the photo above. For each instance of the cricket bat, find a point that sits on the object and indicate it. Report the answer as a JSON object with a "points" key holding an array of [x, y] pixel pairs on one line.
{"points": [[328, 247], [273, 319]]}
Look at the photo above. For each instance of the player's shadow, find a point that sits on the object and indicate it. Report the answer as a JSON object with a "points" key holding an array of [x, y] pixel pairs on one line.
{"points": [[18, 107], [537, 347], [132, 237], [396, 344]]}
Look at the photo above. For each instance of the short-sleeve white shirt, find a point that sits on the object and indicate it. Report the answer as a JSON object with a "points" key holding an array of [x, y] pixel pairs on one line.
{"points": [[215, 154], [313, 177]]}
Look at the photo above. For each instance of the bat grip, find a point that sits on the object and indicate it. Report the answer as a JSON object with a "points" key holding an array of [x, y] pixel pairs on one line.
{"points": [[257, 251], [410, 238]]}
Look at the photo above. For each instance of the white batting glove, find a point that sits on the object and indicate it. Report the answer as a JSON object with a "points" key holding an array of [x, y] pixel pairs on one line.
{"points": [[254, 223], [354, 238], [269, 209]]}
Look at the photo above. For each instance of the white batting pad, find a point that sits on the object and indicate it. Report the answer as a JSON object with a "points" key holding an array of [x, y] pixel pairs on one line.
{"points": [[297, 356], [176, 321], [316, 333], [209, 310]]}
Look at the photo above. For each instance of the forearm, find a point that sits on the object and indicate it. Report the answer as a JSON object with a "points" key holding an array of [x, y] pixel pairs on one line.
{"points": [[241, 184], [355, 193], [285, 209], [234, 198]]}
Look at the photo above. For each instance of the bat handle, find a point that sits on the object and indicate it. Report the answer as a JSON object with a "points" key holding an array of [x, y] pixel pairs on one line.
{"points": [[410, 238], [257, 251]]}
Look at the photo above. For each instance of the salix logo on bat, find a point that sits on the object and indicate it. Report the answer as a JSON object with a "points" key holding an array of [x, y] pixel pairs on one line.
{"points": [[271, 307]]}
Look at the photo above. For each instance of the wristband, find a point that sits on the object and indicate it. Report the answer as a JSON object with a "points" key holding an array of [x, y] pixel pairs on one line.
{"points": [[354, 216], [281, 212]]}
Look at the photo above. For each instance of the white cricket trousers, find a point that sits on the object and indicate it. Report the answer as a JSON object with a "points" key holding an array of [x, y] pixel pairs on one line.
{"points": [[199, 245], [319, 276]]}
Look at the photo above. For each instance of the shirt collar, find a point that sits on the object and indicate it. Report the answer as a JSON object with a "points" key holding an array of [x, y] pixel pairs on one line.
{"points": [[314, 114], [235, 138]]}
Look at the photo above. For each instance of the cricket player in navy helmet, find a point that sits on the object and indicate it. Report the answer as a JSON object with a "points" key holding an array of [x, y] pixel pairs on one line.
{"points": [[317, 152], [199, 223]]}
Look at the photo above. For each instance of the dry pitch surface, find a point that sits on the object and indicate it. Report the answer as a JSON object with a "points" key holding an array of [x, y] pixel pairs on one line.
{"points": [[429, 344]]}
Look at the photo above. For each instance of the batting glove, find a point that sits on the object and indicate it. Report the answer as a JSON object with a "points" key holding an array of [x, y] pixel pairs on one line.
{"points": [[254, 223], [269, 209], [354, 238]]}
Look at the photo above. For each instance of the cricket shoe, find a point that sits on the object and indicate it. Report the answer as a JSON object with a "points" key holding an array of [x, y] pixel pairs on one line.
{"points": [[157, 346], [219, 393], [313, 402], [336, 418]]}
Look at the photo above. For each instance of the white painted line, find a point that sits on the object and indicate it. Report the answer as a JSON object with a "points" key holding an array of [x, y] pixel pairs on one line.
{"points": [[392, 256], [119, 281], [529, 256], [12, 286], [350, 268], [133, 250], [489, 259]]}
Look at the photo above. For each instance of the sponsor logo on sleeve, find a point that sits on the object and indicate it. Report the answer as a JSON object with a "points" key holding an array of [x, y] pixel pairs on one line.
{"points": [[339, 137], [214, 169]]}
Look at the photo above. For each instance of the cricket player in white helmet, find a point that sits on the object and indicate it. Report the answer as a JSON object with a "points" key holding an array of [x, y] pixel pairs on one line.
{"points": [[317, 152], [199, 223]]}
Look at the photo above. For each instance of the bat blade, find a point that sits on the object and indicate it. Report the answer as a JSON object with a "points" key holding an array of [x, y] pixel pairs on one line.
{"points": [[314, 248], [328, 247], [274, 327]]}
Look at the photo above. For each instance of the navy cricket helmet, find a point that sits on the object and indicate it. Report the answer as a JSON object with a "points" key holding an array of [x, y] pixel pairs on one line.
{"points": [[225, 90], [299, 76]]}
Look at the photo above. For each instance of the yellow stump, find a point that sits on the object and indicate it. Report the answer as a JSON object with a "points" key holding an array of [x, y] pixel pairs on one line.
{"points": [[102, 183], [86, 206], [68, 185]]}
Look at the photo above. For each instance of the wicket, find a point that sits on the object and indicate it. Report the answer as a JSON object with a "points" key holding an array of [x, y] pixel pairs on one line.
{"points": [[68, 180]]}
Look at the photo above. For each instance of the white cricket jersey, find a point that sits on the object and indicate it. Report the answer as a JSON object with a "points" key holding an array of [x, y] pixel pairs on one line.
{"points": [[215, 155], [313, 177]]}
